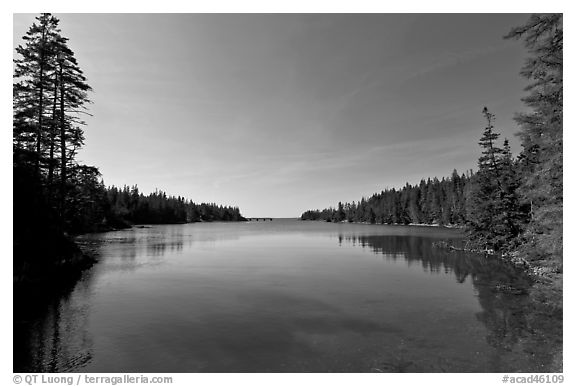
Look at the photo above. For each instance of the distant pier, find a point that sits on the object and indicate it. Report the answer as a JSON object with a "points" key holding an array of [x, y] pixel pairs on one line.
{"points": [[259, 219]]}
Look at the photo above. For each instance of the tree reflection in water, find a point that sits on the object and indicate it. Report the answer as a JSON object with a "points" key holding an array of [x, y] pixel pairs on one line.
{"points": [[52, 332], [512, 318], [50, 322]]}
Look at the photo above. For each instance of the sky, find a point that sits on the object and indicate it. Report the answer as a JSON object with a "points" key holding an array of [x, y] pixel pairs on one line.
{"points": [[281, 113]]}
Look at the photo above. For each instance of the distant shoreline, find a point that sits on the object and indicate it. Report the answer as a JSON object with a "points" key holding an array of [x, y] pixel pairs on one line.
{"points": [[449, 226]]}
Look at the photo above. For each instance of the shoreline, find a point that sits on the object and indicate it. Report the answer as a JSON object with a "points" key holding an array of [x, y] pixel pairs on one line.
{"points": [[547, 284], [66, 258], [544, 324], [448, 226]]}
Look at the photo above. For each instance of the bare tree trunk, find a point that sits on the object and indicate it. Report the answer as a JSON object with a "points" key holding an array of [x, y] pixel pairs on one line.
{"points": [[53, 134], [62, 146], [40, 102]]}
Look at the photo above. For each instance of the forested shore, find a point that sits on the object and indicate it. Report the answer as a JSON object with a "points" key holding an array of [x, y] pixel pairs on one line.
{"points": [[510, 206], [439, 202], [269, 121], [55, 196]]}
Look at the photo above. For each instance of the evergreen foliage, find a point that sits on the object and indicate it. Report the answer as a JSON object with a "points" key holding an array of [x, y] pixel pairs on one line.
{"points": [[508, 204], [541, 164], [50, 94], [54, 195], [130, 206], [433, 201], [495, 217]]}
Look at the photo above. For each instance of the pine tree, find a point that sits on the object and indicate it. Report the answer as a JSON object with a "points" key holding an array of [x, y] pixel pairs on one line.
{"points": [[340, 215], [50, 93], [31, 88], [485, 200], [541, 133], [431, 201], [509, 217], [72, 100], [488, 161]]}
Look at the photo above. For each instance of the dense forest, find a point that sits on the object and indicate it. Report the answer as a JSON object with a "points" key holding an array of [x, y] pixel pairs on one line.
{"points": [[54, 195], [112, 208], [431, 202], [511, 205], [131, 206]]}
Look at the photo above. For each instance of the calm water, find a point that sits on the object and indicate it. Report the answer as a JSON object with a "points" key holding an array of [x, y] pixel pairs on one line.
{"points": [[281, 296]]}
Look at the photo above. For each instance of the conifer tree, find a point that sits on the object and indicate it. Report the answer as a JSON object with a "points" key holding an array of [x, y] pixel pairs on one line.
{"points": [[431, 201], [485, 200], [50, 94], [73, 96], [340, 215], [31, 87], [509, 218], [541, 133]]}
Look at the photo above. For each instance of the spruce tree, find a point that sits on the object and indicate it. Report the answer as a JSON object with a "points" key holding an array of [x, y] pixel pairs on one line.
{"points": [[509, 218], [32, 83], [340, 215], [50, 94], [541, 134], [73, 97], [485, 201]]}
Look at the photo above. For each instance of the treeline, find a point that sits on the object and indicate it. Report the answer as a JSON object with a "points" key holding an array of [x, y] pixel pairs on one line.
{"points": [[128, 205], [510, 204], [54, 195], [433, 201], [101, 209]]}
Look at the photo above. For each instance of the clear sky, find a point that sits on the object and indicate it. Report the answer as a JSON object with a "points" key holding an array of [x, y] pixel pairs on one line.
{"points": [[278, 114]]}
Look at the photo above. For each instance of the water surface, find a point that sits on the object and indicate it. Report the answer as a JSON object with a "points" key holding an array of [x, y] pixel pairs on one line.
{"points": [[280, 296]]}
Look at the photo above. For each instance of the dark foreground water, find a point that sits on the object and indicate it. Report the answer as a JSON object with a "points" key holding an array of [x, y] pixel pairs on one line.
{"points": [[281, 296]]}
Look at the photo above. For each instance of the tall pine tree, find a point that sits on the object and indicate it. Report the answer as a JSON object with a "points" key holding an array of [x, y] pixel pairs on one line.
{"points": [[485, 200], [50, 94], [541, 134], [32, 83]]}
